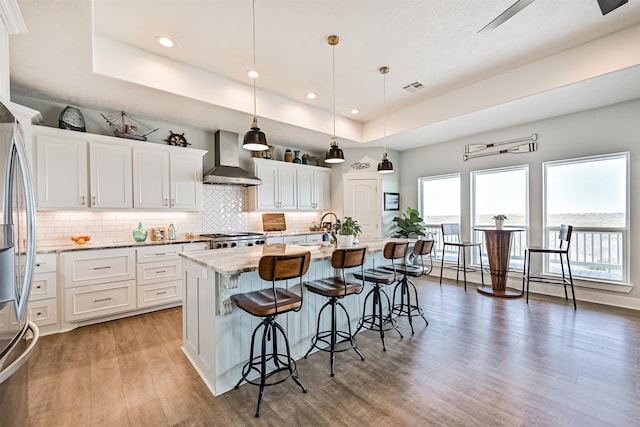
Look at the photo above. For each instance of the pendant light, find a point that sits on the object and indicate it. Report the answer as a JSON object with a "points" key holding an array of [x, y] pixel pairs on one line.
{"points": [[254, 139], [334, 153], [385, 166]]}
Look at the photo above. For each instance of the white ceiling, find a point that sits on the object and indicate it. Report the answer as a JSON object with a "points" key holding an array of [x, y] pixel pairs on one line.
{"points": [[473, 82]]}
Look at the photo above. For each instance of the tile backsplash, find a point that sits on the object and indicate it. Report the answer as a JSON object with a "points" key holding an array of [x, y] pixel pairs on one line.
{"points": [[224, 209]]}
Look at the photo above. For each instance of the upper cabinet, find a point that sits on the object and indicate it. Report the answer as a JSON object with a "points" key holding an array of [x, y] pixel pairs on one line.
{"points": [[314, 188], [61, 173], [76, 170], [164, 180], [289, 186]]}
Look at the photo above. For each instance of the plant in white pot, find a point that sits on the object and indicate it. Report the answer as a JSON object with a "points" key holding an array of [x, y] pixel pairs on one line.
{"points": [[346, 231], [499, 219]]}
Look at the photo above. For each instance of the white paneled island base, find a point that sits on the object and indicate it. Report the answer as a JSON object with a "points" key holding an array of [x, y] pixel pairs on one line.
{"points": [[217, 335]]}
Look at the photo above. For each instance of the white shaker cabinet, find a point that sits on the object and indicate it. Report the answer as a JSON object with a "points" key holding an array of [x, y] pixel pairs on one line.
{"points": [[313, 186], [278, 189], [61, 173], [164, 180], [110, 176]]}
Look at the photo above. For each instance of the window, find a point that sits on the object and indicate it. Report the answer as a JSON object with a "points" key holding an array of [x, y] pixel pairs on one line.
{"points": [[501, 191], [439, 202], [591, 194]]}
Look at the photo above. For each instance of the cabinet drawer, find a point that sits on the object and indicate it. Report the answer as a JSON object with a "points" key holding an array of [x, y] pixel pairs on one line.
{"points": [[294, 240], [314, 238], [159, 293], [155, 272], [44, 312], [95, 267], [198, 246], [45, 263], [43, 286], [158, 253], [99, 300]]}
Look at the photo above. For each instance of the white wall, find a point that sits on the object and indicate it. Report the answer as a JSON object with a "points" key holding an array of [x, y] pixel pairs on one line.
{"points": [[605, 130]]}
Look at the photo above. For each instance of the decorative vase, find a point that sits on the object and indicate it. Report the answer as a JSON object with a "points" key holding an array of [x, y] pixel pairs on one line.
{"points": [[296, 157], [499, 224], [345, 240], [288, 156], [305, 159], [140, 234]]}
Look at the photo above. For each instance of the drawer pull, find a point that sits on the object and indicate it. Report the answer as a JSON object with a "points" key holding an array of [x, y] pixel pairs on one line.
{"points": [[38, 286], [102, 268], [161, 271], [39, 313], [161, 293], [102, 299]]}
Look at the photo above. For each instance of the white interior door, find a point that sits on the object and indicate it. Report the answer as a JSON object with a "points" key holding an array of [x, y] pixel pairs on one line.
{"points": [[362, 202]]}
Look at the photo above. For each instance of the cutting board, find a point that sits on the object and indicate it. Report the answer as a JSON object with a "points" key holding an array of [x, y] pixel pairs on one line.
{"points": [[273, 222]]}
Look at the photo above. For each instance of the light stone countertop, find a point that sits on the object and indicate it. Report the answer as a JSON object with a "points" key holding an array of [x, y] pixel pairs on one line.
{"points": [[113, 245], [230, 262]]}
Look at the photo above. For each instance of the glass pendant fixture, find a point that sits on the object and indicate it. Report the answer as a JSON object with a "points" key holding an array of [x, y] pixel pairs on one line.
{"points": [[385, 165], [255, 139], [334, 154]]}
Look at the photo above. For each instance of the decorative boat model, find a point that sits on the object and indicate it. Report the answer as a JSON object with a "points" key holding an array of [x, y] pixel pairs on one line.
{"points": [[126, 127]]}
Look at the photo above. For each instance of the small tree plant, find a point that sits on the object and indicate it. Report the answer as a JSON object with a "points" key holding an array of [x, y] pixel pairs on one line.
{"points": [[410, 224]]}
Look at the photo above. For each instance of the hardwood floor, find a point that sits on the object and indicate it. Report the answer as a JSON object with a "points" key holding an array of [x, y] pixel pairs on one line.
{"points": [[482, 361]]}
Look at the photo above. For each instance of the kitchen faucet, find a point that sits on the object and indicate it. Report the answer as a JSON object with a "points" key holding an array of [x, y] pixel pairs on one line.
{"points": [[333, 235]]}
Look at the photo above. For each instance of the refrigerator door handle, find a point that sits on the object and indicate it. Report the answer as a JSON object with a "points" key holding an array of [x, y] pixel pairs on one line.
{"points": [[17, 155], [16, 364]]}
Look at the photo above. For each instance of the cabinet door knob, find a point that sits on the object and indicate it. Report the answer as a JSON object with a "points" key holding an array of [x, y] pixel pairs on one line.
{"points": [[93, 200], [82, 200], [173, 202], [165, 202]]}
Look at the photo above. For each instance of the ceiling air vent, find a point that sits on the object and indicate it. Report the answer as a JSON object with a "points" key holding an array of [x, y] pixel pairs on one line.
{"points": [[413, 86]]}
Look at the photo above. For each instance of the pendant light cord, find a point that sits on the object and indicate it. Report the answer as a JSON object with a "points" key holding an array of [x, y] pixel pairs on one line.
{"points": [[384, 111], [254, 57], [333, 51]]}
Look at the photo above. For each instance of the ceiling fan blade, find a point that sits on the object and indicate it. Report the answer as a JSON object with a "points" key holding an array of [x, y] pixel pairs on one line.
{"points": [[607, 6], [506, 15]]}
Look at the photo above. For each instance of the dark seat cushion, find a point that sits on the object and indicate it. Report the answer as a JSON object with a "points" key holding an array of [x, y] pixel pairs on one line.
{"points": [[263, 303], [376, 275], [333, 287]]}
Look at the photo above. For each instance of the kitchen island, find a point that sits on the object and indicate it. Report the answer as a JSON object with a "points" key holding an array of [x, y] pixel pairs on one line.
{"points": [[216, 335]]}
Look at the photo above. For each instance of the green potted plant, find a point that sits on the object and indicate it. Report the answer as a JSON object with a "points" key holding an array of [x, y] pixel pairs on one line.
{"points": [[409, 225], [499, 219], [346, 231]]}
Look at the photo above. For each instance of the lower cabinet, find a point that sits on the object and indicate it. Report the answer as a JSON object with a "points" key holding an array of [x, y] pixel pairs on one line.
{"points": [[98, 283], [106, 282], [87, 302]]}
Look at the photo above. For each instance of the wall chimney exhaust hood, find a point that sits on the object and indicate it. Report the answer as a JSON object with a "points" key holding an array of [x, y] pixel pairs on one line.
{"points": [[226, 168]]}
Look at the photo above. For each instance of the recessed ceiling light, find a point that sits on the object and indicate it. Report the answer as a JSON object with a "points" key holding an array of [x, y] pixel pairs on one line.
{"points": [[311, 95], [165, 41], [253, 74], [354, 111]]}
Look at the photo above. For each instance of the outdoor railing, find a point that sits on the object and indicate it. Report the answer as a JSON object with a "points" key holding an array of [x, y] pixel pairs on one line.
{"points": [[595, 253]]}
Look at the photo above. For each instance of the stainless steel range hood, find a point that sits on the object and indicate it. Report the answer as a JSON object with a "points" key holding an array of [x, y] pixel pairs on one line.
{"points": [[226, 168]]}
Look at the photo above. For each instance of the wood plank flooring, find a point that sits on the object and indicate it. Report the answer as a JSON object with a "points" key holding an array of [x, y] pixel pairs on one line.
{"points": [[482, 361]]}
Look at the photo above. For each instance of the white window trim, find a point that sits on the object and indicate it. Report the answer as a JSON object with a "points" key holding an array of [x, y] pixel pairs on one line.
{"points": [[594, 283]]}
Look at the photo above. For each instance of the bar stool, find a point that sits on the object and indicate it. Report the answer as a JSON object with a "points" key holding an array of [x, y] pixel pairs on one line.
{"points": [[267, 304], [406, 307], [452, 231], [564, 242], [336, 288], [376, 321]]}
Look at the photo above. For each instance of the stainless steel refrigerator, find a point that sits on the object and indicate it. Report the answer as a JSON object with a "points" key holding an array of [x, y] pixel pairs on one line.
{"points": [[18, 336]]}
